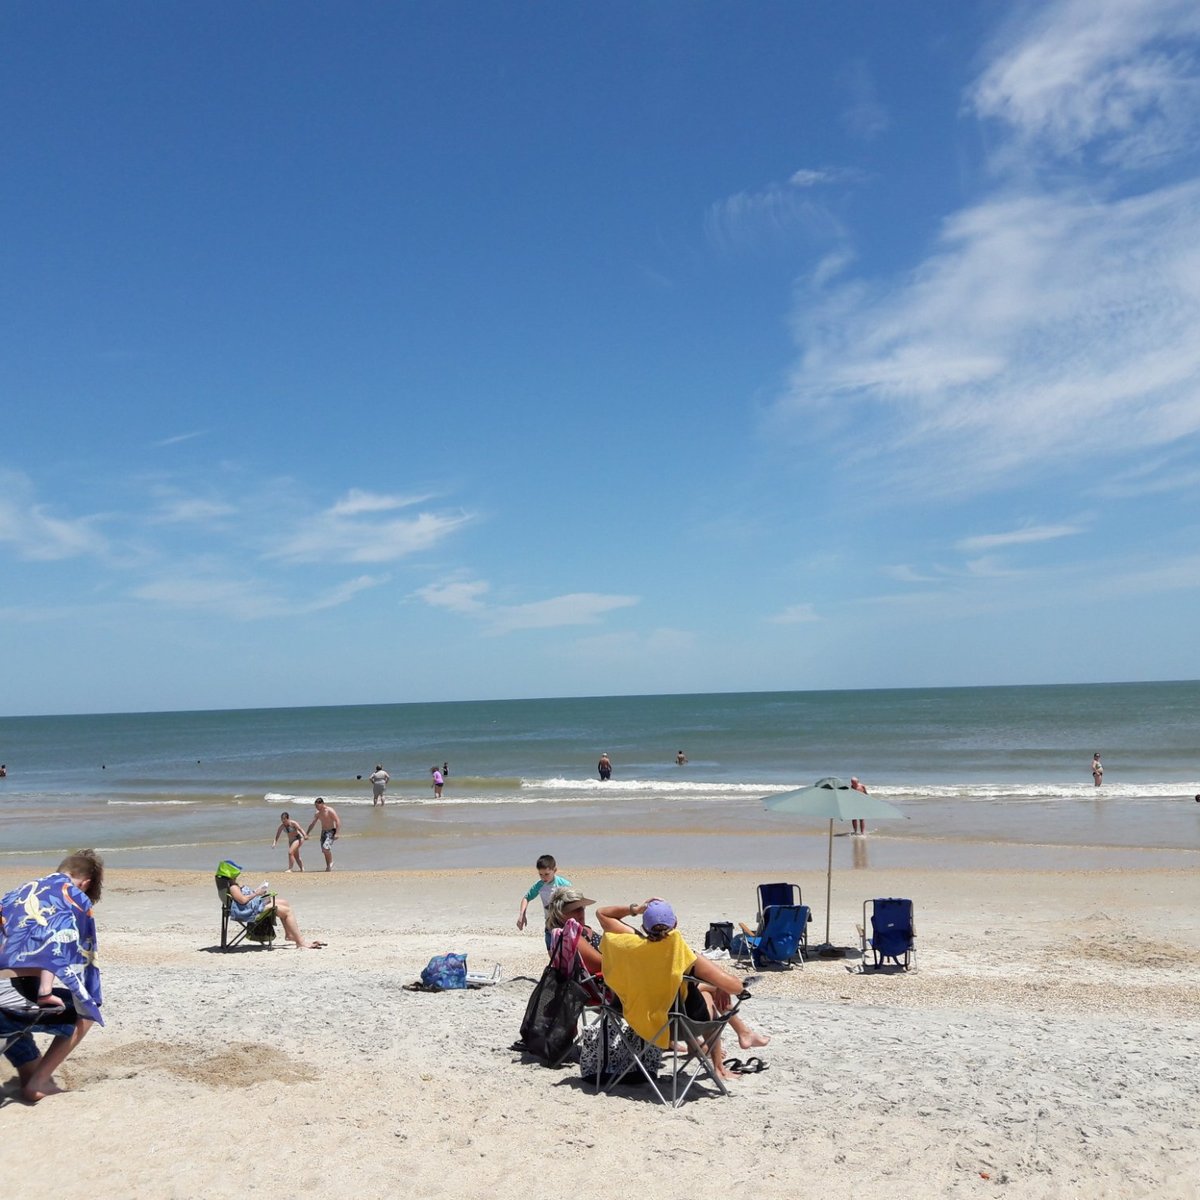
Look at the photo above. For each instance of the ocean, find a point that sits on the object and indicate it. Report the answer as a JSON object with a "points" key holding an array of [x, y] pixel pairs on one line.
{"points": [[995, 776]]}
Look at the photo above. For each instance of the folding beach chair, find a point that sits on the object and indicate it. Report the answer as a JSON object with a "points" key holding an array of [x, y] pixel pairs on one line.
{"points": [[20, 1017], [893, 932], [682, 1004], [776, 893], [259, 928], [782, 937]]}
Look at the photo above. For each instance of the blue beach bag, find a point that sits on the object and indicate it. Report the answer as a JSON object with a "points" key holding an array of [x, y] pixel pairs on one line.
{"points": [[445, 972]]}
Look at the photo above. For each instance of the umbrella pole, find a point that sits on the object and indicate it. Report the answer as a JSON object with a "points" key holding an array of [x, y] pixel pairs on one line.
{"points": [[829, 883]]}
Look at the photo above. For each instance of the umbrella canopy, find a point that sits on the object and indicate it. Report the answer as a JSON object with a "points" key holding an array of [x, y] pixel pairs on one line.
{"points": [[836, 800], [833, 799]]}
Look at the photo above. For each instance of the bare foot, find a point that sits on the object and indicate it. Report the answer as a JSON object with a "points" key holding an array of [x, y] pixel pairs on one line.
{"points": [[751, 1040], [49, 1002], [38, 1089]]}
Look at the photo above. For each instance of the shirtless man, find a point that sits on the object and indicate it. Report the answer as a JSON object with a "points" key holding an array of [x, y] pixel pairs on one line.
{"points": [[379, 782], [331, 826]]}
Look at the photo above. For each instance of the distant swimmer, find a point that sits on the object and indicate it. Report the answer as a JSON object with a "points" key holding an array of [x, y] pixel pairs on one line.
{"points": [[604, 766], [445, 770], [379, 782], [3, 771], [1097, 769], [331, 826], [438, 780], [680, 757], [858, 827]]}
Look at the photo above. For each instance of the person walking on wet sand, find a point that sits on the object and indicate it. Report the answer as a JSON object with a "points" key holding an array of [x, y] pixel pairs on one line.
{"points": [[331, 826], [858, 827], [1097, 769], [295, 836], [604, 768], [437, 782]]}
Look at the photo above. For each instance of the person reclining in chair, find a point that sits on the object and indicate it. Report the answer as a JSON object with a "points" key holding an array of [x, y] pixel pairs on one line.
{"points": [[245, 904], [646, 970]]}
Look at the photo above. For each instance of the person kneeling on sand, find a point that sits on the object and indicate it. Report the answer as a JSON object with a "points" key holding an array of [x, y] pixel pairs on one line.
{"points": [[47, 930], [248, 903], [713, 989]]}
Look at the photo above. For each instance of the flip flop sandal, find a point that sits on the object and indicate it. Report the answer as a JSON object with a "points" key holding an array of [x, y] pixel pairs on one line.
{"points": [[735, 1065], [754, 1066]]}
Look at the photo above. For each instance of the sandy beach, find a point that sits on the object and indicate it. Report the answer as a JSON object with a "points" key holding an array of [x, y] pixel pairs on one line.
{"points": [[1048, 1045]]}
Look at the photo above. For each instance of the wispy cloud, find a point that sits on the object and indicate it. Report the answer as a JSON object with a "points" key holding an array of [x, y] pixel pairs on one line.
{"points": [[576, 608], [1108, 78], [356, 502], [1024, 536], [905, 573], [795, 614], [36, 533], [1050, 321], [865, 117], [174, 441], [191, 510], [352, 530], [772, 217], [244, 599]]}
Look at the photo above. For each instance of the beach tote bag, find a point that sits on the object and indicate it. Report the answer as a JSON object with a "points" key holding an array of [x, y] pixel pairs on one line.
{"points": [[719, 936], [445, 972], [552, 1017]]}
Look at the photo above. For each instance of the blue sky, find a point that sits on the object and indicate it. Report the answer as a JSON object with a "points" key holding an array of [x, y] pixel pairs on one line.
{"points": [[362, 353]]}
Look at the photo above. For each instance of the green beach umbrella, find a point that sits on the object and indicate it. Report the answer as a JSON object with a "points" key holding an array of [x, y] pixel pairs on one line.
{"points": [[836, 800]]}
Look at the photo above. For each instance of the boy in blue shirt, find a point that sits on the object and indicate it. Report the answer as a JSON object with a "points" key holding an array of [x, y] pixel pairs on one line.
{"points": [[548, 880]]}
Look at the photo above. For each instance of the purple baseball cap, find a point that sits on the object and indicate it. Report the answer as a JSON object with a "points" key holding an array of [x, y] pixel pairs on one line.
{"points": [[658, 912]]}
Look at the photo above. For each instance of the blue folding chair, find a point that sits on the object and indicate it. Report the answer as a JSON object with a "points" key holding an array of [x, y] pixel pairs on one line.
{"points": [[893, 932], [777, 893], [782, 937]]}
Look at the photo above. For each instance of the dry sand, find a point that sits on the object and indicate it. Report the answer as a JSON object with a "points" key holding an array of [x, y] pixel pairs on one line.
{"points": [[1048, 1045]]}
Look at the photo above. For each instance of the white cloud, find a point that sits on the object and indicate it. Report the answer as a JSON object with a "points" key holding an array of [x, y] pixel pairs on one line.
{"points": [[176, 440], [355, 502], [770, 218], [1051, 323], [1111, 77], [904, 573], [1016, 537], [577, 608], [462, 596], [1042, 327], [795, 614], [346, 532], [865, 118], [244, 599], [187, 510], [37, 534]]}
